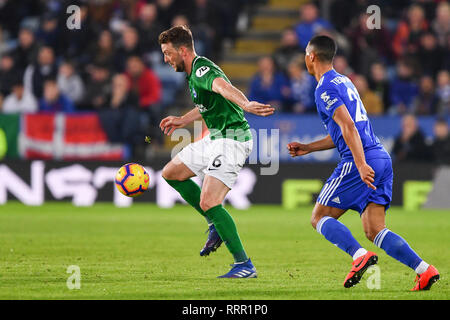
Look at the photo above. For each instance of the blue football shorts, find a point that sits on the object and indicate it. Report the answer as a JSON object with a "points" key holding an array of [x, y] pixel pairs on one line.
{"points": [[344, 189]]}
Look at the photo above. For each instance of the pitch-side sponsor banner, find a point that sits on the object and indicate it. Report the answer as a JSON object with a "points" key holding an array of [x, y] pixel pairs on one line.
{"points": [[85, 183]]}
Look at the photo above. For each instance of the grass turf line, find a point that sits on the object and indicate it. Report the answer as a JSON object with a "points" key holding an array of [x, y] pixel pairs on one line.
{"points": [[145, 252]]}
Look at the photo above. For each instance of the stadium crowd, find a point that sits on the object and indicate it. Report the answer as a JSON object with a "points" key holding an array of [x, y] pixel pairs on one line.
{"points": [[112, 64], [402, 67]]}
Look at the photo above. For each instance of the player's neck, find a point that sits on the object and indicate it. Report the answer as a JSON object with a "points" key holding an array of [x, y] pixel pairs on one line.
{"points": [[321, 69], [188, 61]]}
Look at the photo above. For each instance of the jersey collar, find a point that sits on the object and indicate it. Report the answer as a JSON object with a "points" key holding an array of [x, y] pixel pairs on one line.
{"points": [[323, 77], [192, 66]]}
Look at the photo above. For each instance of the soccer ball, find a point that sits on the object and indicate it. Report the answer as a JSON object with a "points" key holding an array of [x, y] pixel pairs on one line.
{"points": [[132, 180]]}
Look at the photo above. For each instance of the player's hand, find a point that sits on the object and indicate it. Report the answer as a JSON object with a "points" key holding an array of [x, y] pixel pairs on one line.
{"points": [[297, 149], [259, 109], [367, 175], [170, 123]]}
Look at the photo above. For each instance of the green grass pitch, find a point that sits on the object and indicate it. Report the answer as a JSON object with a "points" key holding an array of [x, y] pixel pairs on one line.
{"points": [[144, 252]]}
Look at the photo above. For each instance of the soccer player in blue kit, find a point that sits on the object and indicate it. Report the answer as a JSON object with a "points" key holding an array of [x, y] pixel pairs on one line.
{"points": [[362, 180]]}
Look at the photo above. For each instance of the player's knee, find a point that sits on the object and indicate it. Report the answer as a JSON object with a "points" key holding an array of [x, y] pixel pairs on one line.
{"points": [[207, 203], [314, 219], [169, 173], [371, 233], [316, 215]]}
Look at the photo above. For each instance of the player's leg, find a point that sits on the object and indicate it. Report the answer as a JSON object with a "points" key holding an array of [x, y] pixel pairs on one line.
{"points": [[344, 190], [325, 220], [212, 197], [373, 220], [178, 175]]}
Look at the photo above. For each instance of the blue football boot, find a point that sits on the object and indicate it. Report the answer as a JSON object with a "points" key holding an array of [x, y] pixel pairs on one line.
{"points": [[241, 270], [212, 243]]}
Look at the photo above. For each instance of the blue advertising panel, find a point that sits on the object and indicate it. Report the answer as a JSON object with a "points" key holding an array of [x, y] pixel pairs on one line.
{"points": [[272, 134]]}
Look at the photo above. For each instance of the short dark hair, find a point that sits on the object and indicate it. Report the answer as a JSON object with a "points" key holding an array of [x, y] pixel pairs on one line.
{"points": [[324, 47], [178, 36]]}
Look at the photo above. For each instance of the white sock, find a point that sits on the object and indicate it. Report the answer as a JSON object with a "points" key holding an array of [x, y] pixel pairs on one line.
{"points": [[422, 267], [359, 253]]}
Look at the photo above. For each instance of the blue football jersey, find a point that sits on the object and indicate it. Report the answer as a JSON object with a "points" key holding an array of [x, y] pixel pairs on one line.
{"points": [[334, 90]]}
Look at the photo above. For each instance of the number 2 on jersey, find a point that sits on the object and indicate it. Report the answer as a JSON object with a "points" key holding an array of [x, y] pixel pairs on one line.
{"points": [[361, 114]]}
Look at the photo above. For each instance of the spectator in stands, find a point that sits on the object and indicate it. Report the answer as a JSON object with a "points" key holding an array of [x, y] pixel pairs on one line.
{"points": [[70, 83], [19, 100], [49, 34], [441, 24], [446, 60], [202, 37], [268, 85], [205, 21], [403, 89], [26, 50], [441, 143], [98, 88], [425, 103], [368, 45], [36, 74], [148, 27], [120, 121], [407, 36], [74, 41], [371, 101], [8, 74], [310, 24], [102, 51], [167, 9], [410, 143], [443, 92], [143, 82], [301, 88], [53, 100], [430, 55], [129, 47], [171, 82], [343, 13], [288, 49], [340, 64], [379, 83]]}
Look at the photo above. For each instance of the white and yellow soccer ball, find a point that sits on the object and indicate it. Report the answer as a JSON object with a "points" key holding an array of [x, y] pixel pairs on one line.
{"points": [[132, 180]]}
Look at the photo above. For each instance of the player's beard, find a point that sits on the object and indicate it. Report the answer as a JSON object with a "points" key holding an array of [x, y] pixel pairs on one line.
{"points": [[179, 66]]}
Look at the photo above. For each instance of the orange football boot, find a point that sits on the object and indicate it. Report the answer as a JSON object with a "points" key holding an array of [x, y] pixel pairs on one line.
{"points": [[359, 266], [425, 280]]}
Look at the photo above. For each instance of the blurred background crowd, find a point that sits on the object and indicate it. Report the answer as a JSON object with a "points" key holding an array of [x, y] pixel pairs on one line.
{"points": [[113, 65]]}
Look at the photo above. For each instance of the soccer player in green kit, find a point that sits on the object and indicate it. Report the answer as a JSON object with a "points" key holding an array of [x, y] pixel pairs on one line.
{"points": [[217, 157]]}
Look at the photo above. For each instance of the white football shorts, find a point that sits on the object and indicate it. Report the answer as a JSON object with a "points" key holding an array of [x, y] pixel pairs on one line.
{"points": [[220, 158]]}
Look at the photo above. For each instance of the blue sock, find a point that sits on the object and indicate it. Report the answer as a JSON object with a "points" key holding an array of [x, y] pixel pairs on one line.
{"points": [[338, 234], [397, 248]]}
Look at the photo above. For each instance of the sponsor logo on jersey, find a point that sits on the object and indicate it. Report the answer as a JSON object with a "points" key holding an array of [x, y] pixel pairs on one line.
{"points": [[324, 96], [330, 103], [201, 71], [201, 108], [326, 99]]}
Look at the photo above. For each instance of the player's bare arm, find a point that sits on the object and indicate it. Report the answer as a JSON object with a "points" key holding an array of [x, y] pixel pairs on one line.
{"points": [[353, 141], [297, 149], [230, 92], [170, 123]]}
